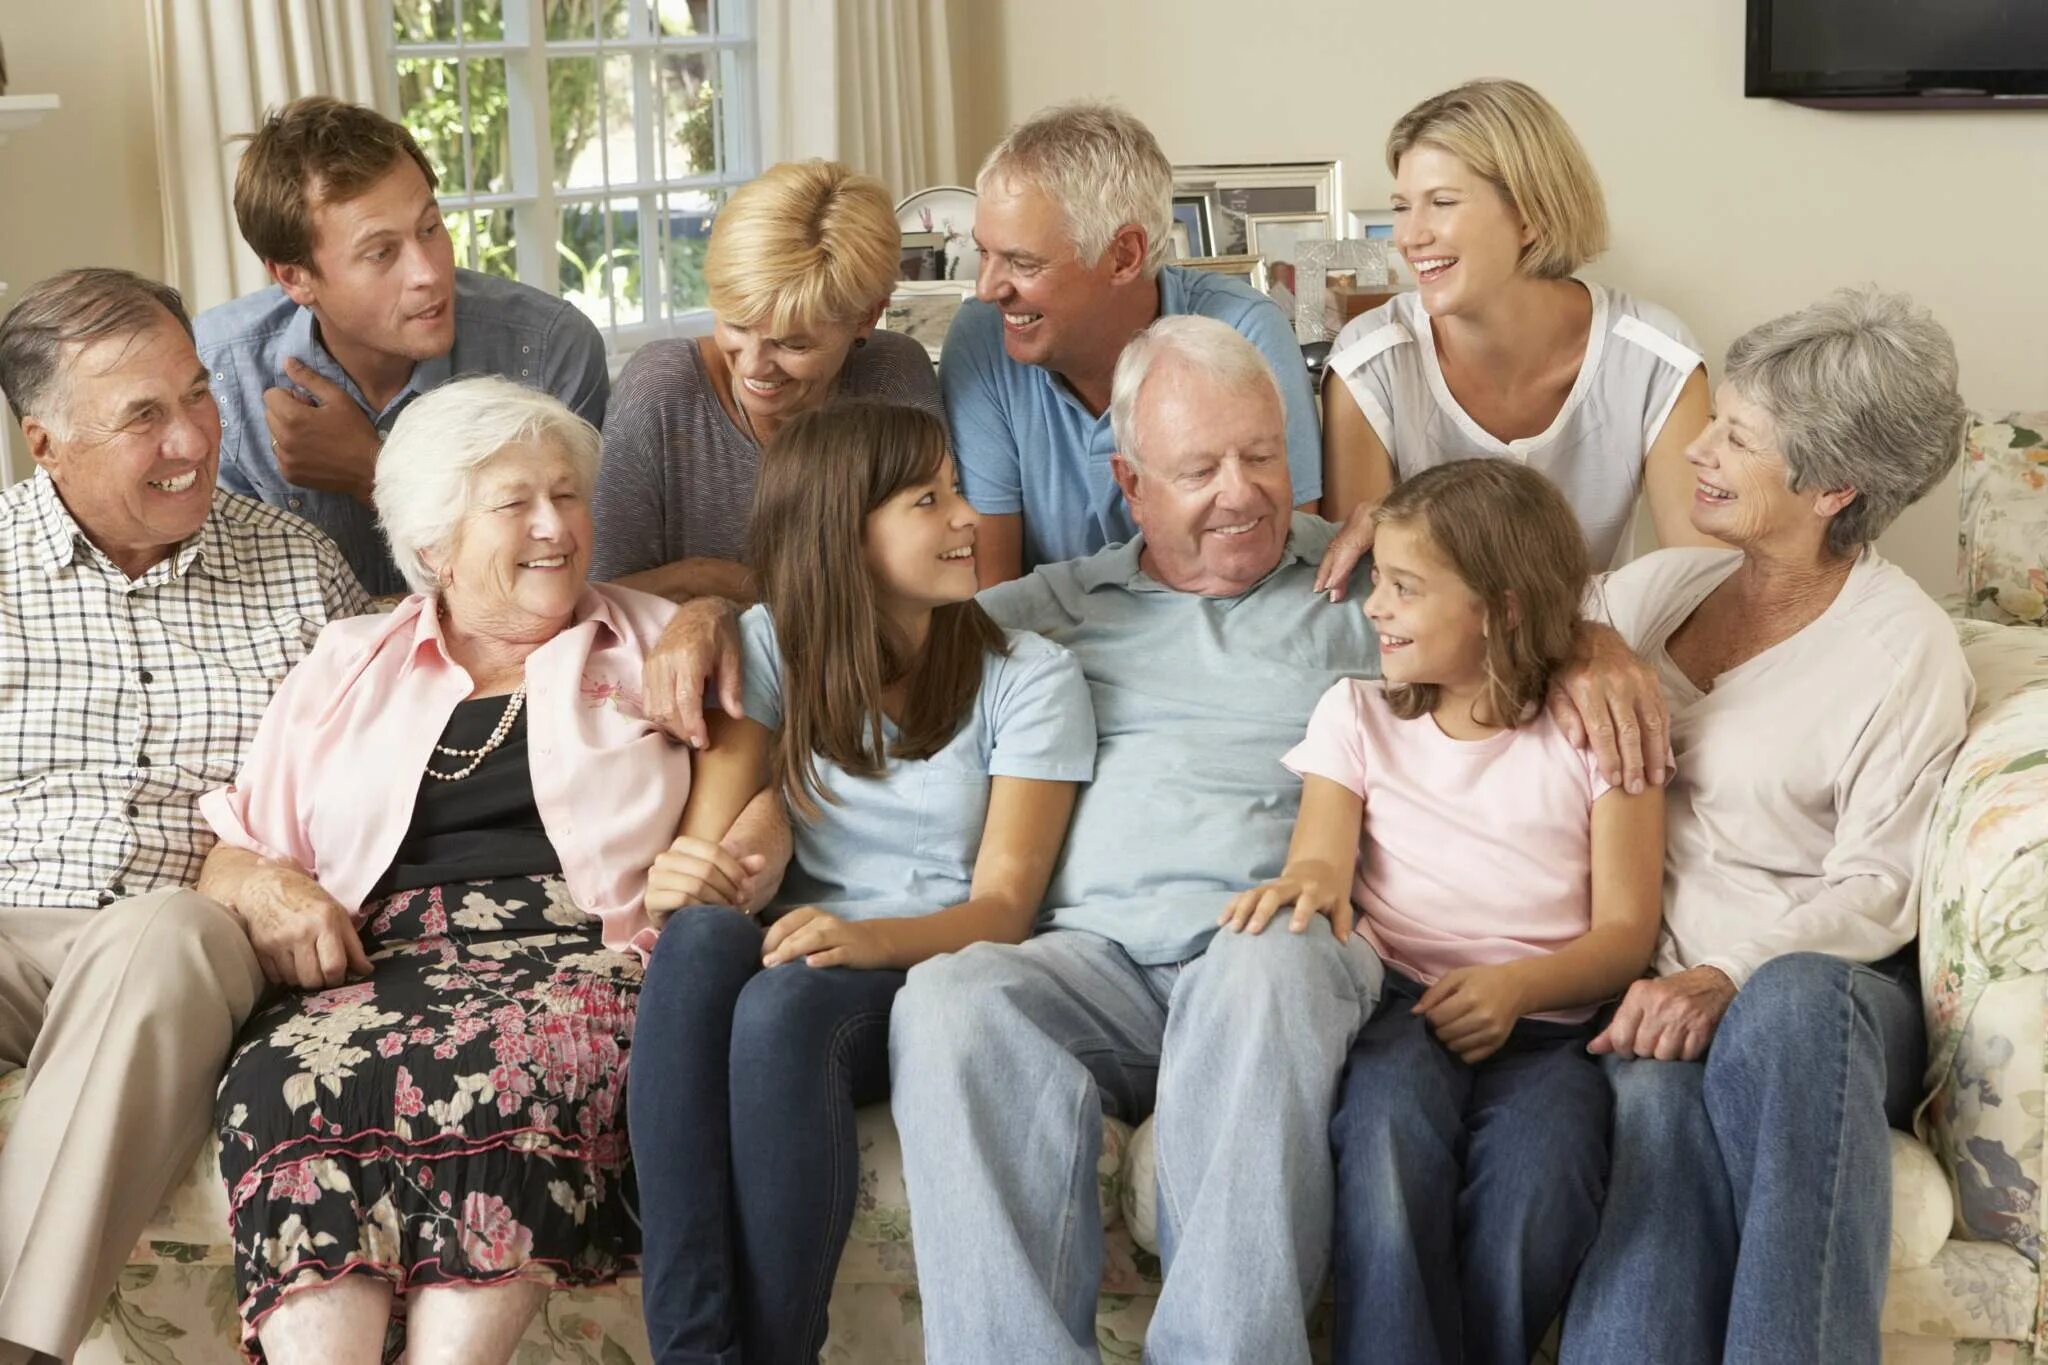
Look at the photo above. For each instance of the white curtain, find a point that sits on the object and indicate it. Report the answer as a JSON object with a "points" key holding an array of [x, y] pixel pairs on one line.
{"points": [[866, 82], [217, 67]]}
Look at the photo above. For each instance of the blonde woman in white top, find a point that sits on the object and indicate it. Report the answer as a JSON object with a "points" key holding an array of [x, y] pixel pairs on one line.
{"points": [[1500, 351], [1817, 698]]}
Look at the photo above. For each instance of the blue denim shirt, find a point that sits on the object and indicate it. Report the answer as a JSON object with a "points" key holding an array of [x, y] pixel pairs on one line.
{"points": [[501, 327]]}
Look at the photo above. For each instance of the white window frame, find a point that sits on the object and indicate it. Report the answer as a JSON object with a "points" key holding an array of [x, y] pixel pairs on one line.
{"points": [[526, 50]]}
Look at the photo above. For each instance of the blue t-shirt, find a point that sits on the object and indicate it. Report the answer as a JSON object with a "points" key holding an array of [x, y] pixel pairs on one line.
{"points": [[904, 843], [502, 327], [1025, 444], [1195, 700]]}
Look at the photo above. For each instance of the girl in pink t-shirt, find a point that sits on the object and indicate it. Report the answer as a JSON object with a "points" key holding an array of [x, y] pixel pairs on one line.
{"points": [[1509, 891]]}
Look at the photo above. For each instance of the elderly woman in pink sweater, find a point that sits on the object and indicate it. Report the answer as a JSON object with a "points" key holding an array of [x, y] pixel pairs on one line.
{"points": [[439, 844]]}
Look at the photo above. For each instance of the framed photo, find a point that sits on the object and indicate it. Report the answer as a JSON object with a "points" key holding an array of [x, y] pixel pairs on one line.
{"points": [[925, 312], [1364, 260], [1274, 235], [1233, 193], [1193, 233], [1251, 269], [1371, 224]]}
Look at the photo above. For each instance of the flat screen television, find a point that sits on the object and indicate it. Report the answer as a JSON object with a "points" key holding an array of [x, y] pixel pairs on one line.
{"points": [[1900, 53]]}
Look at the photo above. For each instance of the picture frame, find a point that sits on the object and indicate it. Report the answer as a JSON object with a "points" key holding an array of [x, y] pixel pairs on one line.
{"points": [[1191, 216], [1274, 235], [1249, 268], [1233, 191], [924, 311], [1371, 224], [1364, 259]]}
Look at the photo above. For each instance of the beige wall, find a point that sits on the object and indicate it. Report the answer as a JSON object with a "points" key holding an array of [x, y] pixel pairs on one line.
{"points": [[80, 188], [1725, 209]]}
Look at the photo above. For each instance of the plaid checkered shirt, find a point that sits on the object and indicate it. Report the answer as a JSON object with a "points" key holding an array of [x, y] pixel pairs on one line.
{"points": [[121, 701]]}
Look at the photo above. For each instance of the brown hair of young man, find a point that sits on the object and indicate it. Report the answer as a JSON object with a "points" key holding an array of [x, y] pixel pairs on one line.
{"points": [[1509, 534], [821, 475], [314, 150]]}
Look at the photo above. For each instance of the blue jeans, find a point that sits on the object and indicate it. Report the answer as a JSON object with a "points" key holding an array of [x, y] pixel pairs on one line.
{"points": [[1749, 1207], [741, 1114], [1007, 1058], [1522, 1140]]}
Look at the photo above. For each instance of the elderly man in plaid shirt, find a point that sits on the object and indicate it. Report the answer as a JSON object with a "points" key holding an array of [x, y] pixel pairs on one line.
{"points": [[145, 618]]}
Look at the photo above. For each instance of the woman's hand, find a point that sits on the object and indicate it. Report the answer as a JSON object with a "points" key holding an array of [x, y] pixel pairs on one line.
{"points": [[698, 654], [1472, 1010], [1352, 543], [823, 939], [1607, 700], [1311, 889], [301, 935], [700, 872], [1671, 1018]]}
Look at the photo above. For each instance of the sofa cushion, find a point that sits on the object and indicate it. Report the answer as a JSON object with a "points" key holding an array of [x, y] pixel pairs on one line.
{"points": [[2004, 529]]}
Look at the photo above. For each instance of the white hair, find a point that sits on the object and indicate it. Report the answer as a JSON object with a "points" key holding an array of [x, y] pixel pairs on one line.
{"points": [[1103, 169], [430, 460], [1214, 350], [1862, 389]]}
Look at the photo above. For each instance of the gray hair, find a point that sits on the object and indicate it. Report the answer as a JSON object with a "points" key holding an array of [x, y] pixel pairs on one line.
{"points": [[1862, 389], [441, 440], [1102, 168], [74, 309], [1212, 349]]}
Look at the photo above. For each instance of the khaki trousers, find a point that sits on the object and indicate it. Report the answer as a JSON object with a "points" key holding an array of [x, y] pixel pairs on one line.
{"points": [[124, 1017]]}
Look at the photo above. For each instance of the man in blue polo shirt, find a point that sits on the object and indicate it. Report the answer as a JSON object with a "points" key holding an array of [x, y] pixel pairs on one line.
{"points": [[1072, 221], [368, 311]]}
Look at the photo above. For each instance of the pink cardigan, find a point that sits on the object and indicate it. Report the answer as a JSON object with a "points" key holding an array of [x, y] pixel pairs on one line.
{"points": [[330, 782]]}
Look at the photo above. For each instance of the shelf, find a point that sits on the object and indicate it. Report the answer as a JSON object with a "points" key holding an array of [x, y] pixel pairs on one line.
{"points": [[21, 112]]}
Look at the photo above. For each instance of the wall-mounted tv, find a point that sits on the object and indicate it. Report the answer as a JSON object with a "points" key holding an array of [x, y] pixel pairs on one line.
{"points": [[1900, 53]]}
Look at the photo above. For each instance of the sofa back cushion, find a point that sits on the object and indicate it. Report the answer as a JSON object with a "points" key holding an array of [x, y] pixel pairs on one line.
{"points": [[2005, 520]]}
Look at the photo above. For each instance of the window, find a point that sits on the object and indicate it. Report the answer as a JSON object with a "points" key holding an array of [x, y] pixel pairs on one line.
{"points": [[584, 145]]}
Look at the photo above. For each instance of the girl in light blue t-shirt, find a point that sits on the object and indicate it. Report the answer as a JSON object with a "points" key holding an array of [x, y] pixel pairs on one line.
{"points": [[929, 761]]}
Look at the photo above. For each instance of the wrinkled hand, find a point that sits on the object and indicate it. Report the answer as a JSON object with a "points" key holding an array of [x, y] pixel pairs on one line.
{"points": [[697, 653], [326, 443], [301, 935], [1352, 544], [1607, 700], [1472, 1010], [700, 872], [1671, 1018], [821, 939], [1311, 891]]}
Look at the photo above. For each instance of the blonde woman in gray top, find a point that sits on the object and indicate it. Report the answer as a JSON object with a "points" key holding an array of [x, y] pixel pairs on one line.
{"points": [[1501, 351], [801, 262]]}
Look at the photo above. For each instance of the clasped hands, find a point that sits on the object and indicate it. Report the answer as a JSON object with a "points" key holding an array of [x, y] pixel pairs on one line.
{"points": [[700, 872]]}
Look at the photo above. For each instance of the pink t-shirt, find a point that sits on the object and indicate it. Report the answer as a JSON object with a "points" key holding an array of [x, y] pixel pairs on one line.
{"points": [[1474, 852], [330, 782]]}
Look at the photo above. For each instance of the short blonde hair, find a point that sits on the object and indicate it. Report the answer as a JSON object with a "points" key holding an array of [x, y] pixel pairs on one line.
{"points": [[1101, 166], [803, 243], [1515, 139]]}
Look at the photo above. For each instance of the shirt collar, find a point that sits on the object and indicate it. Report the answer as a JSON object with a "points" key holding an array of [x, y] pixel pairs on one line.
{"points": [[59, 537], [1118, 566], [591, 606], [302, 340]]}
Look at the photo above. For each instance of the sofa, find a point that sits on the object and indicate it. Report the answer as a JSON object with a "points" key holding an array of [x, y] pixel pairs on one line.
{"points": [[1969, 1217]]}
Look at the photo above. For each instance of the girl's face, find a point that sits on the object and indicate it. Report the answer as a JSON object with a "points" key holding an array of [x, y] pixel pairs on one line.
{"points": [[1432, 629], [920, 544]]}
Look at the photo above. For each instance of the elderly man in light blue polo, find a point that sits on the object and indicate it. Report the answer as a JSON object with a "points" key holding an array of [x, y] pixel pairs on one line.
{"points": [[1205, 652], [1072, 221]]}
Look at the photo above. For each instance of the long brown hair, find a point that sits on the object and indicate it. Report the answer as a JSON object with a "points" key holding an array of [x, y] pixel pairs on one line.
{"points": [[1511, 537], [821, 475]]}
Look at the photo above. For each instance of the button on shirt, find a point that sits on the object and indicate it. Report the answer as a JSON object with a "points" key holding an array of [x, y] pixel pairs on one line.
{"points": [[501, 327], [1027, 445], [904, 843], [121, 701], [1196, 698]]}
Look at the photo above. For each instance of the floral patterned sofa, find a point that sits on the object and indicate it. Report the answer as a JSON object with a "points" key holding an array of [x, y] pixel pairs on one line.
{"points": [[1969, 1219]]}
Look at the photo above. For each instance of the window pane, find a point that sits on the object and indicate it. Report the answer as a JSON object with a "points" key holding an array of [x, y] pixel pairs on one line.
{"points": [[431, 109], [575, 108], [423, 21], [682, 18], [483, 241], [489, 127], [687, 234], [690, 115], [599, 274], [615, 18], [571, 18]]}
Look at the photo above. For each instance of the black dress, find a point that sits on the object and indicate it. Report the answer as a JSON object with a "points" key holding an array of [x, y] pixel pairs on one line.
{"points": [[459, 1117]]}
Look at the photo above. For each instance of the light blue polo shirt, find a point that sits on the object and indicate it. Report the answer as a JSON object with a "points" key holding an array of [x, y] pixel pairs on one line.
{"points": [[1196, 698], [502, 327], [1025, 444], [904, 843]]}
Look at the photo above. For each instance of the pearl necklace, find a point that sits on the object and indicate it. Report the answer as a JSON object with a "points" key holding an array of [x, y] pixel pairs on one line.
{"points": [[477, 756]]}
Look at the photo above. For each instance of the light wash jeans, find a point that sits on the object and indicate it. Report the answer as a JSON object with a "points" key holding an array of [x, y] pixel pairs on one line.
{"points": [[1004, 1061], [1748, 1214]]}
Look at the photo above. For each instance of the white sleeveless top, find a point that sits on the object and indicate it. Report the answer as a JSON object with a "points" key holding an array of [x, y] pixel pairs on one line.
{"points": [[1638, 356]]}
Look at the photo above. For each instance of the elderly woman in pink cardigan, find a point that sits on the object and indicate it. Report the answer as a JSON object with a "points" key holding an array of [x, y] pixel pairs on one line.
{"points": [[440, 843]]}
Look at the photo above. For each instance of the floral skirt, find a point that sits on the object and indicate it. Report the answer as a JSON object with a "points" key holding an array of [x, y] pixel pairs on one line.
{"points": [[458, 1118]]}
